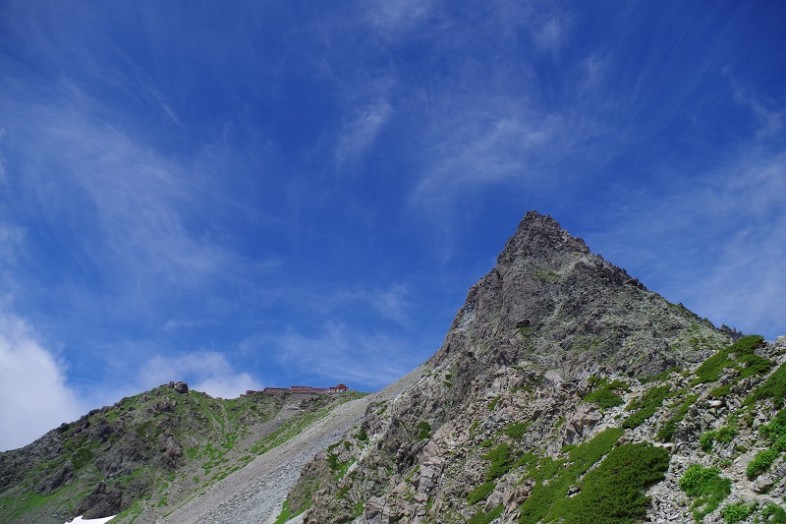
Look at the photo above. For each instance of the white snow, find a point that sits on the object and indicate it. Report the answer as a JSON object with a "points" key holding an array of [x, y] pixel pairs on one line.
{"points": [[79, 519]]}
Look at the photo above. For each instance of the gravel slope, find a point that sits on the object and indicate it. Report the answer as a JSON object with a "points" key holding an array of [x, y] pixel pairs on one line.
{"points": [[255, 493]]}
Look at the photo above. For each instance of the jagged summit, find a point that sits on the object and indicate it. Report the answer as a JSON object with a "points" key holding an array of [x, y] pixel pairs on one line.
{"points": [[538, 235], [551, 300]]}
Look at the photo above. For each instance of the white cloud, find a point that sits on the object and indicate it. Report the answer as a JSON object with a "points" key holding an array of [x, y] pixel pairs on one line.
{"points": [[34, 396], [207, 371]]}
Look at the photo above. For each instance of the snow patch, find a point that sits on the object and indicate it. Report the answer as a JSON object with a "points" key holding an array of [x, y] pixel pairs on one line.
{"points": [[79, 519]]}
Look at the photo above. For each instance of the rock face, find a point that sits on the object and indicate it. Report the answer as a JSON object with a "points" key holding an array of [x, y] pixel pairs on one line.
{"points": [[558, 374]]}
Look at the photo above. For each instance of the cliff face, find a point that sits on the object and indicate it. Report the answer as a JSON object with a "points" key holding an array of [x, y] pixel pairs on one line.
{"points": [[564, 391]]}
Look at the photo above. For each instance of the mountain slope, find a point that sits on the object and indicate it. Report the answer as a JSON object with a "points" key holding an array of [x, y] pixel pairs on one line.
{"points": [[148, 454], [564, 391], [255, 493]]}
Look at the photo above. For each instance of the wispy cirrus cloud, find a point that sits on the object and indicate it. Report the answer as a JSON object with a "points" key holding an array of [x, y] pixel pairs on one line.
{"points": [[338, 352], [359, 132], [134, 214], [729, 267], [391, 17], [494, 140], [391, 303], [550, 32]]}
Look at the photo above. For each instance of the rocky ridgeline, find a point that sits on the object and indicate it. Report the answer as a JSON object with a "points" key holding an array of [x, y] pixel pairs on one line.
{"points": [[566, 391]]}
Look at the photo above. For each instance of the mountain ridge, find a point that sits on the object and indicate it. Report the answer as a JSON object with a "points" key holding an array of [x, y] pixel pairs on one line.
{"points": [[559, 370], [554, 348]]}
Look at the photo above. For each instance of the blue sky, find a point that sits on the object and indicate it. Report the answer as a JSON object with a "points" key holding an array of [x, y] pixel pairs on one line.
{"points": [[266, 193]]}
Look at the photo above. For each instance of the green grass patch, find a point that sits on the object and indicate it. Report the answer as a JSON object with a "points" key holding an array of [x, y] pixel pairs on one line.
{"points": [[286, 513], [706, 487], [724, 435], [493, 402], [337, 466], [14, 507]]}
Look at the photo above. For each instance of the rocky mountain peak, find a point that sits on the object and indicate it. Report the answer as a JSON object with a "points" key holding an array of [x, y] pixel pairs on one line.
{"points": [[550, 300], [539, 236]]}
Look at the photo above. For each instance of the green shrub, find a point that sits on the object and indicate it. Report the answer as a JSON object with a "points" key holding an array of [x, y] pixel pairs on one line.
{"points": [[743, 349], [747, 345], [773, 388], [737, 512], [724, 434], [754, 365], [484, 518], [706, 487], [604, 394], [706, 440], [710, 370], [553, 478], [666, 433], [776, 429], [82, 457], [614, 491], [646, 406], [424, 430], [721, 391], [481, 492], [761, 463], [774, 514], [515, 430]]}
